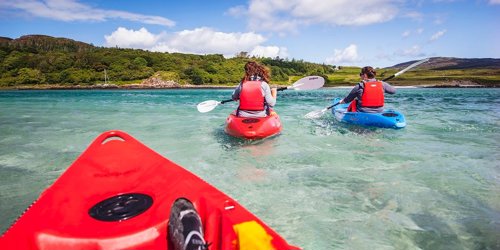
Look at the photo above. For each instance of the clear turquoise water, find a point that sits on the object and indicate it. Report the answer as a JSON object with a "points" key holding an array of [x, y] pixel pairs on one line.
{"points": [[321, 184]]}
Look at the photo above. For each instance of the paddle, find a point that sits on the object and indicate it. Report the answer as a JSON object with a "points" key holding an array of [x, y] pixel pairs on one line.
{"points": [[319, 113], [306, 83]]}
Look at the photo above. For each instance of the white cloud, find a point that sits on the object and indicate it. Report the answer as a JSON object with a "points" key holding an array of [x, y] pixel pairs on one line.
{"points": [[125, 38], [408, 33], [417, 16], [73, 10], [437, 35], [197, 41], [289, 15], [237, 11], [269, 51], [208, 41], [494, 2], [414, 51], [164, 47], [345, 56]]}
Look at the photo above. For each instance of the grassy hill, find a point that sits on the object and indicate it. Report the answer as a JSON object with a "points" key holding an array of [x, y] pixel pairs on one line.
{"points": [[449, 71], [438, 71], [38, 61], [450, 63]]}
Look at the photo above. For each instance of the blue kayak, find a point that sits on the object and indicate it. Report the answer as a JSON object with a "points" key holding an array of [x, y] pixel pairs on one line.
{"points": [[387, 119]]}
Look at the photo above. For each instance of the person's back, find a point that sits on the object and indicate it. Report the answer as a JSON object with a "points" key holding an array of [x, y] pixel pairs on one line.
{"points": [[368, 95], [255, 96]]}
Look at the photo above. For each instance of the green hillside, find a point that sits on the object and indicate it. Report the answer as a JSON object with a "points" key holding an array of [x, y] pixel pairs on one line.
{"points": [[42, 60], [38, 61]]}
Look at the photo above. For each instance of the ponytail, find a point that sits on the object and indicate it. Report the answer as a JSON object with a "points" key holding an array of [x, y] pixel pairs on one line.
{"points": [[369, 71]]}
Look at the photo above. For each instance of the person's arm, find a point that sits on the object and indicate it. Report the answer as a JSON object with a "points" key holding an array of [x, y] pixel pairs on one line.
{"points": [[274, 92], [351, 96], [236, 93], [268, 95], [388, 88]]}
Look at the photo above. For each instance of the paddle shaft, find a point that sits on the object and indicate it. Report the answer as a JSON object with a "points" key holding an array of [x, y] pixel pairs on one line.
{"points": [[388, 78], [407, 68], [331, 106], [385, 79], [231, 100], [306, 83], [392, 76]]}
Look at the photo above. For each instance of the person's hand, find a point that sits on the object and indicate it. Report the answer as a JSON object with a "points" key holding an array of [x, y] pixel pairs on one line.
{"points": [[341, 101], [274, 92]]}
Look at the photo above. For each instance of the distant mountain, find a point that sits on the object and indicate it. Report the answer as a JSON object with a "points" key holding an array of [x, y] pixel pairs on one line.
{"points": [[5, 39], [445, 63], [45, 43]]}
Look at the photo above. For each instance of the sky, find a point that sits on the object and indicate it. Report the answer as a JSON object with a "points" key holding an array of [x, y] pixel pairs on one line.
{"points": [[378, 33]]}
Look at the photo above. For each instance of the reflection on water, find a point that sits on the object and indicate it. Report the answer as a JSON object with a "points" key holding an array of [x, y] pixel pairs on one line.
{"points": [[257, 148], [327, 126]]}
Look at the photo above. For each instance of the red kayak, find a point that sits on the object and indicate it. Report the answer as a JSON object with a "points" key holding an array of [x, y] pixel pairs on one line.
{"points": [[253, 128], [118, 195]]}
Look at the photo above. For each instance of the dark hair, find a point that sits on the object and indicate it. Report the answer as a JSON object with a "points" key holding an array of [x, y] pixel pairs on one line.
{"points": [[369, 71], [254, 69]]}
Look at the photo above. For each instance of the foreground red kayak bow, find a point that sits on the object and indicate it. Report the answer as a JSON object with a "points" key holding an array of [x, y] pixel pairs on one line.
{"points": [[118, 195]]}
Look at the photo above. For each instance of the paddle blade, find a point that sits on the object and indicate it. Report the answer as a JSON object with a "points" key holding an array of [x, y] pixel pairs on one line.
{"points": [[207, 106], [411, 66], [308, 83], [315, 114]]}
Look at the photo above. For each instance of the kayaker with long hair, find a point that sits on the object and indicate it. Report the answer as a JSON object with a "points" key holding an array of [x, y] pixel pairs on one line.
{"points": [[368, 95], [255, 96]]}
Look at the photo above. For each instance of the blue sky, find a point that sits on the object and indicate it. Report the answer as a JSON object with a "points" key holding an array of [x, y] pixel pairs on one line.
{"points": [[379, 33]]}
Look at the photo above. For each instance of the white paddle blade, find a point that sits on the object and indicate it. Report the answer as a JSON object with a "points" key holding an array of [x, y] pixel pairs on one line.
{"points": [[412, 66], [315, 114], [207, 106], [308, 83]]}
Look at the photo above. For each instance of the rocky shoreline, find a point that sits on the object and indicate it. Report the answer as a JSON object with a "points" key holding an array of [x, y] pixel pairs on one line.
{"points": [[138, 87], [150, 83], [156, 83], [459, 84]]}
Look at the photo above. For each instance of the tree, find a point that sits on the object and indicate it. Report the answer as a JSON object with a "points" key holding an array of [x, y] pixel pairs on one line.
{"points": [[30, 76], [13, 61], [140, 62], [196, 75], [242, 54]]}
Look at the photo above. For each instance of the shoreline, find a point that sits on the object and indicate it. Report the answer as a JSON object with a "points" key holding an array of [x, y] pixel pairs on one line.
{"points": [[114, 87], [149, 87]]}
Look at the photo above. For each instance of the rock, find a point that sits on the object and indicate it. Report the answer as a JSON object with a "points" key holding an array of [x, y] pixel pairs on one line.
{"points": [[155, 83], [105, 86]]}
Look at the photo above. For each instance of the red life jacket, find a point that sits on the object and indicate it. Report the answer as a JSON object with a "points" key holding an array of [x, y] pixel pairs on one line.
{"points": [[251, 97], [373, 95]]}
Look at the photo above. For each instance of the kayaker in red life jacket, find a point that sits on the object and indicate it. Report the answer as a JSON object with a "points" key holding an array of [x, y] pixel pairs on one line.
{"points": [[255, 95], [368, 95]]}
